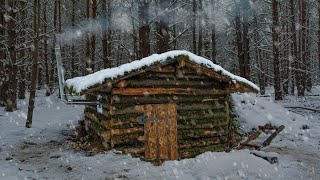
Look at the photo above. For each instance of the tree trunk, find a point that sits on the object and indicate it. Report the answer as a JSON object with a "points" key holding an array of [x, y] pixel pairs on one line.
{"points": [[207, 26], [106, 32], [73, 50], [194, 16], [319, 34], [88, 69], [52, 70], [36, 23], [294, 46], [259, 59], [200, 16], [109, 38], [134, 56], [22, 68], [275, 40], [11, 104], [285, 67], [144, 28], [213, 36], [245, 53], [239, 41], [46, 60], [308, 51], [164, 26], [174, 27], [303, 48], [93, 37], [3, 75]]}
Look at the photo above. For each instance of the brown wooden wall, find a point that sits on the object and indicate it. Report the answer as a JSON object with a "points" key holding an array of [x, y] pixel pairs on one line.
{"points": [[203, 119]]}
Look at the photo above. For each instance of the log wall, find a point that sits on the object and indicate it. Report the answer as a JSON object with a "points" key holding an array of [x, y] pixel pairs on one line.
{"points": [[203, 119]]}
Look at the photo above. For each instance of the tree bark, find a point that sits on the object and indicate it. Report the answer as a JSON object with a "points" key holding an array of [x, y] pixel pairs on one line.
{"points": [[308, 51], [164, 26], [213, 35], [3, 75], [134, 35], [88, 69], [285, 67], [22, 68], [319, 34], [11, 104], [36, 24], [52, 70], [275, 40], [194, 16], [303, 48], [245, 52], [200, 16], [207, 29], [93, 37], [239, 41], [46, 59], [294, 46], [259, 58], [106, 33], [73, 50], [144, 28]]}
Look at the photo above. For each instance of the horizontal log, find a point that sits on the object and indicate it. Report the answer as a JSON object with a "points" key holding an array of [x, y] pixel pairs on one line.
{"points": [[207, 72], [200, 115], [94, 127], [200, 133], [132, 151], [126, 116], [172, 91], [126, 140], [165, 69], [215, 121], [118, 122], [91, 116], [200, 106], [158, 99], [201, 142], [126, 131], [92, 110], [197, 114], [153, 75], [118, 109], [193, 152], [202, 126], [169, 83], [106, 87]]}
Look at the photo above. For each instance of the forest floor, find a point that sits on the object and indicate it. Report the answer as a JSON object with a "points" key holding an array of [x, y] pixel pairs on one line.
{"points": [[45, 152]]}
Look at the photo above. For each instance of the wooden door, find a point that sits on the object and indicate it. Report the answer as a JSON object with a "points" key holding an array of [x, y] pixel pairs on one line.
{"points": [[160, 133]]}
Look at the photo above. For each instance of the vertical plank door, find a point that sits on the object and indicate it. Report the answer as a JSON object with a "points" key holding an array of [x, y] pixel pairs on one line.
{"points": [[160, 134]]}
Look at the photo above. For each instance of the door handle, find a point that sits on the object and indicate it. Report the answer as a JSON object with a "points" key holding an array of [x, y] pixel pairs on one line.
{"points": [[142, 119]]}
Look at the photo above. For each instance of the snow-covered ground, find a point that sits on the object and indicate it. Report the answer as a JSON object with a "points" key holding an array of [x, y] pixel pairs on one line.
{"points": [[43, 152]]}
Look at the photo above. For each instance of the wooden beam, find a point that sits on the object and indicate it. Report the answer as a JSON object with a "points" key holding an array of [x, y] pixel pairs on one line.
{"points": [[171, 91], [126, 131], [208, 72], [166, 69], [166, 83]]}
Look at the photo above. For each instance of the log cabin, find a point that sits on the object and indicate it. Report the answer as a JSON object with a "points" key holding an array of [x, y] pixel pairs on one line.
{"points": [[169, 106]]}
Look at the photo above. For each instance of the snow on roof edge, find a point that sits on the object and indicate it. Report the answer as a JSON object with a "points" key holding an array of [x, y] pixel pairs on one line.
{"points": [[79, 84]]}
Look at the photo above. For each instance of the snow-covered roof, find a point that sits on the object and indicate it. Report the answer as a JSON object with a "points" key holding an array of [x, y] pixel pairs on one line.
{"points": [[79, 84]]}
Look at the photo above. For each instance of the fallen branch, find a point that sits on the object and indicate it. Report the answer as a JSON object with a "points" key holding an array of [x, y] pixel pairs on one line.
{"points": [[298, 107], [270, 159]]}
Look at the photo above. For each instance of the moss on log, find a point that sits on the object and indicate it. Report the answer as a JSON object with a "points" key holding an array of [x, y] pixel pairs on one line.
{"points": [[200, 133], [195, 151], [203, 142], [202, 126]]}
